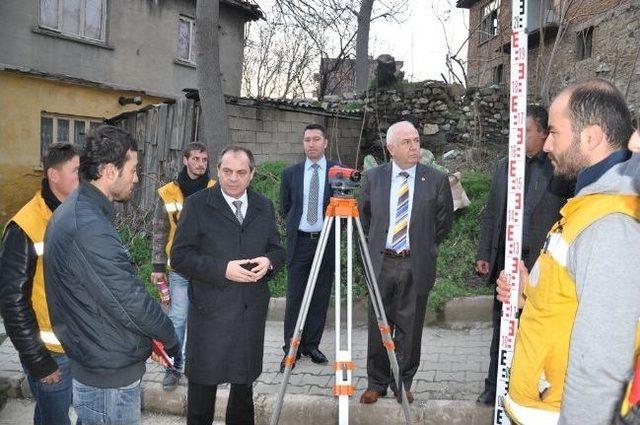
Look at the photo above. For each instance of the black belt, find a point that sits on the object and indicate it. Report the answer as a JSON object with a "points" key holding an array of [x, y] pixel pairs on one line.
{"points": [[393, 254], [310, 235]]}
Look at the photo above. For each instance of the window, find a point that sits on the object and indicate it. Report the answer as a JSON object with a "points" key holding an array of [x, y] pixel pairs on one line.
{"points": [[497, 74], [76, 18], [186, 39], [64, 128], [584, 43], [489, 20]]}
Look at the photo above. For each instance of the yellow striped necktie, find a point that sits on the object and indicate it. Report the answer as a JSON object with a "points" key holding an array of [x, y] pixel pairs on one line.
{"points": [[399, 240]]}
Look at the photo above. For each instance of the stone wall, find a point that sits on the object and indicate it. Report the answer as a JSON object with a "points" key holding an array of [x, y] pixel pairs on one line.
{"points": [[442, 113]]}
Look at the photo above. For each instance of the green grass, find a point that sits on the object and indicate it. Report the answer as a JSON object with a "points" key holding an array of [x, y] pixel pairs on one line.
{"points": [[456, 259], [456, 256]]}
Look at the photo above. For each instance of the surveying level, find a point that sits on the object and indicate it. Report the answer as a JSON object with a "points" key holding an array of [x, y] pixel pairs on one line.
{"points": [[342, 206]]}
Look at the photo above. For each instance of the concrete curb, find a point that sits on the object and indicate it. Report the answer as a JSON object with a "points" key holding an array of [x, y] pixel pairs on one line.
{"points": [[458, 313], [308, 409]]}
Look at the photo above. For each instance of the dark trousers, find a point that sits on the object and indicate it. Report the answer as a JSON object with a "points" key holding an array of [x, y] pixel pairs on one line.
{"points": [[201, 403], [405, 312], [492, 373], [298, 273]]}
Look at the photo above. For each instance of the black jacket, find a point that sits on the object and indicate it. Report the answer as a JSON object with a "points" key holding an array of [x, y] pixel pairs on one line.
{"points": [[291, 202], [100, 311], [544, 197], [226, 319], [17, 267], [430, 221]]}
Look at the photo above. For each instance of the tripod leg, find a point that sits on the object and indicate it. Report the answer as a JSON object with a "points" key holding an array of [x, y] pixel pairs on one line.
{"points": [[302, 316], [381, 317]]}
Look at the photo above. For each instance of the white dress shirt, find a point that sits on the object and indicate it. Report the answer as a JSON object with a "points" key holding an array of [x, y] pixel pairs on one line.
{"points": [[308, 173], [243, 207], [396, 182]]}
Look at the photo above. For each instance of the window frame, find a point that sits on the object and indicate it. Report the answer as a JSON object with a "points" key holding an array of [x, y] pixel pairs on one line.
{"points": [[192, 26], [584, 44], [72, 124], [83, 9], [489, 16]]}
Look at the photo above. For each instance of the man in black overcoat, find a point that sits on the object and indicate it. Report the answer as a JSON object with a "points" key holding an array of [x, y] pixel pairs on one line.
{"points": [[228, 246]]}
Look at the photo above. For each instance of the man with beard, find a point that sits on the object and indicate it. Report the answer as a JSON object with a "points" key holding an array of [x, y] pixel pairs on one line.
{"points": [[100, 310], [577, 336], [193, 177], [544, 195], [23, 303]]}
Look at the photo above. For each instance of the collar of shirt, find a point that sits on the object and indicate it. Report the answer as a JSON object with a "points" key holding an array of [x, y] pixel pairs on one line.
{"points": [[539, 157], [322, 162], [395, 171], [231, 199], [593, 173]]}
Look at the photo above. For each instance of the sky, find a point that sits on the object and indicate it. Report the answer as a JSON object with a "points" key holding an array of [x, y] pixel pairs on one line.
{"points": [[419, 39]]}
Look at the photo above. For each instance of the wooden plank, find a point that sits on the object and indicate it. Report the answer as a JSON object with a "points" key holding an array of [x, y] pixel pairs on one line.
{"points": [[163, 112], [177, 130], [189, 121]]}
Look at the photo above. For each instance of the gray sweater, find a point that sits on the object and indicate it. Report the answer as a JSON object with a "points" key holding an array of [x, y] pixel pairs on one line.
{"points": [[605, 262]]}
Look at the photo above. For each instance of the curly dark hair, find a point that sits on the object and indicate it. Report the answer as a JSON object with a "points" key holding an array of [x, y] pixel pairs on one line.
{"points": [[105, 145]]}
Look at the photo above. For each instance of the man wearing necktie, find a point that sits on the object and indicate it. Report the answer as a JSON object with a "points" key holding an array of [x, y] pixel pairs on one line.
{"points": [[228, 246], [304, 195], [406, 210]]}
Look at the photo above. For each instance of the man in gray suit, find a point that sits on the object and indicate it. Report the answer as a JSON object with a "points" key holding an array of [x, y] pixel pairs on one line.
{"points": [[406, 210], [545, 194]]}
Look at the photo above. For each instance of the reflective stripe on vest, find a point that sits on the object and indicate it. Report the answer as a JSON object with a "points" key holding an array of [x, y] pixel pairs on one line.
{"points": [[49, 338], [172, 207], [39, 247]]}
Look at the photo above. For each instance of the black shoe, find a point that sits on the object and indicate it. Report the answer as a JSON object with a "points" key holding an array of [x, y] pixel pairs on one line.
{"points": [[315, 355], [170, 381], [487, 397], [283, 364]]}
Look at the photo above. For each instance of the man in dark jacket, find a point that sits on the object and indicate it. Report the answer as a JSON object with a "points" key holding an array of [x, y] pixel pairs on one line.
{"points": [[23, 304], [304, 196], [100, 311], [544, 194], [228, 246]]}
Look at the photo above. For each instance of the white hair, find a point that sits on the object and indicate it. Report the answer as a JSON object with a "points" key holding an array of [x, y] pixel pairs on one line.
{"points": [[394, 127]]}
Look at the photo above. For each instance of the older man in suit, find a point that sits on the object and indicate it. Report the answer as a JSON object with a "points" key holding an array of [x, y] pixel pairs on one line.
{"points": [[545, 194], [228, 246], [406, 210], [304, 195]]}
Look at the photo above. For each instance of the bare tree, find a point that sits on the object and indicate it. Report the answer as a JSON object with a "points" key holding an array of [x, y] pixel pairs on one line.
{"points": [[215, 125], [334, 26], [443, 14], [278, 60]]}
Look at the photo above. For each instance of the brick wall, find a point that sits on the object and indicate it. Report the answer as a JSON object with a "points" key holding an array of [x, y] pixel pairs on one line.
{"points": [[616, 27]]}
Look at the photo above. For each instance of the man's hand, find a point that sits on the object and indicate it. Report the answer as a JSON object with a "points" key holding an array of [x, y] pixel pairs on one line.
{"points": [[54, 378], [237, 273], [158, 277], [262, 267], [482, 267], [502, 287], [159, 359]]}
